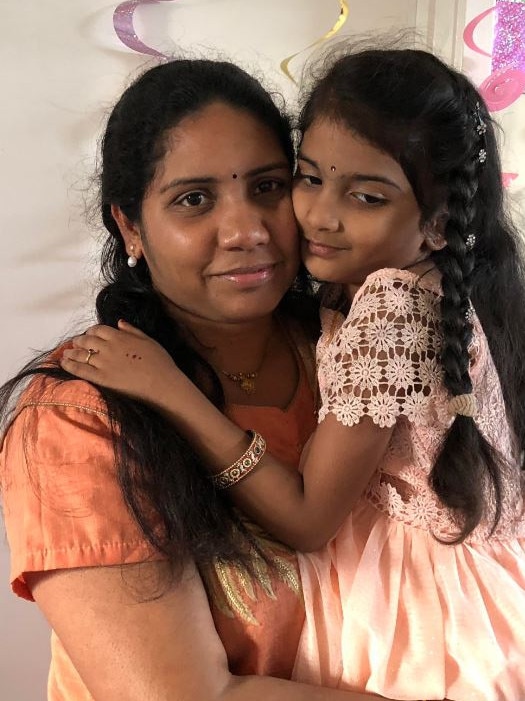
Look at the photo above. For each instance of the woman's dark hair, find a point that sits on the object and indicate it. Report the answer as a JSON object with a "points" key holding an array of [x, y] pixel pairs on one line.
{"points": [[434, 123], [158, 470]]}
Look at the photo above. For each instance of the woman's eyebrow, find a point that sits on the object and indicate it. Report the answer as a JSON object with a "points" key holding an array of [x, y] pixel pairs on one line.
{"points": [[208, 179], [194, 180]]}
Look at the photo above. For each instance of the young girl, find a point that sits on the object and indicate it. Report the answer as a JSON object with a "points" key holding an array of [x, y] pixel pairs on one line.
{"points": [[410, 491]]}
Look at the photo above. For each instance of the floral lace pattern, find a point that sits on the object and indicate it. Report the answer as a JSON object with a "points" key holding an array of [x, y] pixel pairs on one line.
{"points": [[383, 361]]}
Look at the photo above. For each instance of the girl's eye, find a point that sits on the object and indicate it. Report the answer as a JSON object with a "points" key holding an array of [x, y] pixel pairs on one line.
{"points": [[368, 199], [309, 180], [192, 199]]}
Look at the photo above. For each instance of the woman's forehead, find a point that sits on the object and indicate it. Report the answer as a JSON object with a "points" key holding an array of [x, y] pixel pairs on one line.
{"points": [[218, 141]]}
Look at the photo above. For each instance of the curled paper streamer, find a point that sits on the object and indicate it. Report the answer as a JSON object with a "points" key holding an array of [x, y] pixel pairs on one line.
{"points": [[507, 82], [125, 29], [502, 88], [343, 16], [468, 33]]}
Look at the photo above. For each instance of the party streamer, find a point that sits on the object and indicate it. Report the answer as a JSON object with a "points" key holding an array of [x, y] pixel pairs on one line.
{"points": [[343, 16], [507, 80], [125, 29], [506, 83]]}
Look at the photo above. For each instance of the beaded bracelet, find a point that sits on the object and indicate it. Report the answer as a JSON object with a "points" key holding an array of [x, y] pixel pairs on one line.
{"points": [[244, 465]]}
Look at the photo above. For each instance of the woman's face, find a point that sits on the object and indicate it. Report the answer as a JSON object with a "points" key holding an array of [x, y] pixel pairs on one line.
{"points": [[217, 229]]}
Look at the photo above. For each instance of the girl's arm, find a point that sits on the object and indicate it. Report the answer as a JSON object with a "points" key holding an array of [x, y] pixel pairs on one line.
{"points": [[304, 511], [160, 649]]}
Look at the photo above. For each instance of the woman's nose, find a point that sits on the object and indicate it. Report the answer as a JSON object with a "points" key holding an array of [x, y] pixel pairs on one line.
{"points": [[243, 227]]}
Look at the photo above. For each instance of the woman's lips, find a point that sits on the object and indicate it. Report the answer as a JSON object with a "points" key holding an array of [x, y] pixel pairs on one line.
{"points": [[252, 276]]}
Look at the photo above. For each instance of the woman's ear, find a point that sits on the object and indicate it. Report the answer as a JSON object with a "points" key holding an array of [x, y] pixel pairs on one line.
{"points": [[129, 230]]}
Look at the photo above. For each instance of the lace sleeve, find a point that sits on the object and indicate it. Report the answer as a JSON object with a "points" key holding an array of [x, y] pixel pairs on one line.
{"points": [[383, 362]]}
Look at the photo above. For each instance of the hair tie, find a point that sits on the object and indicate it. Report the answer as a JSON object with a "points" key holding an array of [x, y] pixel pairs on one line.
{"points": [[464, 405]]}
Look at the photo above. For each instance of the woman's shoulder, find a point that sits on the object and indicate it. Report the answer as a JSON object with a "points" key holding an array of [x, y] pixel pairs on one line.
{"points": [[49, 387], [46, 391]]}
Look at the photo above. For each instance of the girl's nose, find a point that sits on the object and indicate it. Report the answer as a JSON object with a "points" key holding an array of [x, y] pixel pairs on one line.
{"points": [[322, 214]]}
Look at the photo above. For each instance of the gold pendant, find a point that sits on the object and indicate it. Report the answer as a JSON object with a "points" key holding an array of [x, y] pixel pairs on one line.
{"points": [[247, 385]]}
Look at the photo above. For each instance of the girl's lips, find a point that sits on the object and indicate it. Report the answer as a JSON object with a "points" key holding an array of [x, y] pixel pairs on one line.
{"points": [[250, 277], [320, 250]]}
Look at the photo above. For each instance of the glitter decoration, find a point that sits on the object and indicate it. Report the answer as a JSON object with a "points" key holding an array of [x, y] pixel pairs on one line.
{"points": [[125, 29], [509, 36], [343, 16]]}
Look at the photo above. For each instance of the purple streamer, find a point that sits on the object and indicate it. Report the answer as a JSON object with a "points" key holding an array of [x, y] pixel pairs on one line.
{"points": [[125, 29], [509, 36]]}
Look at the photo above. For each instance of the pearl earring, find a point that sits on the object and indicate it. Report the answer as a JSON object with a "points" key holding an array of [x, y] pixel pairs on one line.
{"points": [[132, 260]]}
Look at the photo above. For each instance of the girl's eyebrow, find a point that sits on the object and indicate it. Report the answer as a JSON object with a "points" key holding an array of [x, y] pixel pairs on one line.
{"points": [[208, 179], [357, 177]]}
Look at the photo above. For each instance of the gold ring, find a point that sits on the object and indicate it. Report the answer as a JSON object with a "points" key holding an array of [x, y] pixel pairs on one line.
{"points": [[91, 351]]}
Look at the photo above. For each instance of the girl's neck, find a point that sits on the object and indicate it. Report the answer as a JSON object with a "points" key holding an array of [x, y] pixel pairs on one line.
{"points": [[420, 267]]}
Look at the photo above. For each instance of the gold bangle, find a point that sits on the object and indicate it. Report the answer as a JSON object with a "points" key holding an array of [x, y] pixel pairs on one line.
{"points": [[243, 466]]}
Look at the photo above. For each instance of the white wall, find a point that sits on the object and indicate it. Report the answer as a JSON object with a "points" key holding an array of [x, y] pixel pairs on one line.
{"points": [[62, 67]]}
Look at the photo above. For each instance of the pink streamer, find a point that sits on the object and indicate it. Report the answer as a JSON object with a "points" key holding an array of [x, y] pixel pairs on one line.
{"points": [[125, 29], [468, 33], [506, 83], [502, 88]]}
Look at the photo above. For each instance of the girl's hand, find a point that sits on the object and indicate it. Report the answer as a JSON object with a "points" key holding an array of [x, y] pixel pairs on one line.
{"points": [[124, 359]]}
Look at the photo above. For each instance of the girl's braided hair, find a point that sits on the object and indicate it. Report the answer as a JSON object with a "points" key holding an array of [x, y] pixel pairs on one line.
{"points": [[434, 123]]}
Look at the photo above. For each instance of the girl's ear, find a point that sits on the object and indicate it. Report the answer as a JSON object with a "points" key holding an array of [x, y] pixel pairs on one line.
{"points": [[434, 231], [129, 230]]}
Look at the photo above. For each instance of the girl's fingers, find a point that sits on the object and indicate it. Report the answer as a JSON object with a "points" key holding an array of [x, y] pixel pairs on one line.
{"points": [[126, 326], [85, 342], [81, 356], [82, 370], [101, 331]]}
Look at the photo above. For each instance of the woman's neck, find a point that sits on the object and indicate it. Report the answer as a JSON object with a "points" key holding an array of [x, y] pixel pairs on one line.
{"points": [[231, 347]]}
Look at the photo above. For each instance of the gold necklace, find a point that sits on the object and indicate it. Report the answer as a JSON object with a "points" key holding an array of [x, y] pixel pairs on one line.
{"points": [[246, 380]]}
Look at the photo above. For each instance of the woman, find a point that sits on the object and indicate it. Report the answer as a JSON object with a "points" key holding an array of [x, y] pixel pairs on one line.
{"points": [[112, 521]]}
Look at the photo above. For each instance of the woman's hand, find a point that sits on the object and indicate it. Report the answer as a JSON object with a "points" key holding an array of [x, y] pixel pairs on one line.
{"points": [[124, 359]]}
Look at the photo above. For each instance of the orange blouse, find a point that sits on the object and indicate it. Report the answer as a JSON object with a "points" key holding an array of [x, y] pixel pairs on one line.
{"points": [[63, 508]]}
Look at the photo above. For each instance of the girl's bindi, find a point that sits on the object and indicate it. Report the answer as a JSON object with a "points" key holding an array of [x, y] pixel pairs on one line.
{"points": [[333, 169], [234, 176]]}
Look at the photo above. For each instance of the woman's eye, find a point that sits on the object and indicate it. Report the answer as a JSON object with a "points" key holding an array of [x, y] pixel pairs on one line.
{"points": [[268, 186], [368, 199], [192, 199]]}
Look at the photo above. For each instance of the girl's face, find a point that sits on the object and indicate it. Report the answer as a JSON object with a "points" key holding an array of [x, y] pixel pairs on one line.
{"points": [[217, 228], [355, 206]]}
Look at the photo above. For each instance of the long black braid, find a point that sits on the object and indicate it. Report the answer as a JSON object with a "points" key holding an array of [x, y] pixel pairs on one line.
{"points": [[456, 262]]}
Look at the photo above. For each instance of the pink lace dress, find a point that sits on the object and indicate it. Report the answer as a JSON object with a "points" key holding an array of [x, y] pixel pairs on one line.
{"points": [[390, 609]]}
